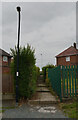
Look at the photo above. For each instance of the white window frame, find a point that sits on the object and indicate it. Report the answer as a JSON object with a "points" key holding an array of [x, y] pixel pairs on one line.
{"points": [[5, 59], [67, 59]]}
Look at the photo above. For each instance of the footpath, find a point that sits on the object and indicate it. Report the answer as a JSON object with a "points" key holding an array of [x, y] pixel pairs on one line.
{"points": [[42, 105], [43, 94]]}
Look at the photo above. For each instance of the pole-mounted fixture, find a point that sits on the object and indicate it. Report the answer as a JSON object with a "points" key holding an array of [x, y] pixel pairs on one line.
{"points": [[17, 72], [18, 9]]}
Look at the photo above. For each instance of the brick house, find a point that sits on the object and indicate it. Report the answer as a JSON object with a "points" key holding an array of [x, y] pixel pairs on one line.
{"points": [[5, 60], [68, 56], [7, 80]]}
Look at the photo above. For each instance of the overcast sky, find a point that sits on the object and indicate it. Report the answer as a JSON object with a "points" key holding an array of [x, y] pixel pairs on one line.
{"points": [[48, 27]]}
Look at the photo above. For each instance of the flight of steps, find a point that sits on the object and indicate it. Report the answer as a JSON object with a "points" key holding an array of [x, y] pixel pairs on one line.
{"points": [[43, 95], [40, 79]]}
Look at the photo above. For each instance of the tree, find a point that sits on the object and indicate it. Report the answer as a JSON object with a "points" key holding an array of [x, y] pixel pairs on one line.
{"points": [[48, 66], [27, 70], [44, 69]]}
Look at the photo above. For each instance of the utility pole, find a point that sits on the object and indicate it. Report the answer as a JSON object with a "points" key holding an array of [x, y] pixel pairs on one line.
{"points": [[17, 73]]}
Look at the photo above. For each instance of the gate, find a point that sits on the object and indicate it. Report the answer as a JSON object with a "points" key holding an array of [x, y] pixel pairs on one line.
{"points": [[64, 80]]}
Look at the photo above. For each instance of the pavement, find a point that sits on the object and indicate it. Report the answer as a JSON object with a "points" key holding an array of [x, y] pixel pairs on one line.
{"points": [[42, 106], [32, 111]]}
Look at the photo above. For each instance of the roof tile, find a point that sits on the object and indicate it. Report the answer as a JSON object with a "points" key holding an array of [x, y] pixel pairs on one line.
{"points": [[3, 53], [68, 52]]}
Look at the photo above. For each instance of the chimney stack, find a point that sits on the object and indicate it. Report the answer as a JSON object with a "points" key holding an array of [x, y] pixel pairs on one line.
{"points": [[74, 45]]}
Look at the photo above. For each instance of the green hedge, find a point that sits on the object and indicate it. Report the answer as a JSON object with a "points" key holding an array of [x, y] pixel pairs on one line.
{"points": [[45, 68], [27, 71]]}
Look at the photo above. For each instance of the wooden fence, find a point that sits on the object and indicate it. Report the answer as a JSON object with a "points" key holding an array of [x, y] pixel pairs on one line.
{"points": [[7, 80]]}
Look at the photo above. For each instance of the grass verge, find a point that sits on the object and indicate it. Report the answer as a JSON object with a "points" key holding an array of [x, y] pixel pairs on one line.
{"points": [[1, 111], [7, 107], [70, 109]]}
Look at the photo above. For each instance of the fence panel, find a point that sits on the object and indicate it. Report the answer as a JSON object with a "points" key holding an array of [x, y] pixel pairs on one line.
{"points": [[7, 80], [64, 80], [54, 75], [69, 81]]}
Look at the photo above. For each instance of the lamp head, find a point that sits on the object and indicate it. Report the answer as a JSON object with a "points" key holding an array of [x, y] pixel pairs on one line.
{"points": [[18, 9]]}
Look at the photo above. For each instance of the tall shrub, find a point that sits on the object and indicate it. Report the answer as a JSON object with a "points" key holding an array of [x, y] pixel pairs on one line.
{"points": [[44, 69], [27, 71]]}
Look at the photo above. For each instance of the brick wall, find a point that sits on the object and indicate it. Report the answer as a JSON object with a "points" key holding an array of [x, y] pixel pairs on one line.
{"points": [[6, 70], [62, 60], [7, 78], [0, 60], [6, 63]]}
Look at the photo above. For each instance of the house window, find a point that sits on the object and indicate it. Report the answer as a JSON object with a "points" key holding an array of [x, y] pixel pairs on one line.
{"points": [[67, 59], [5, 59]]}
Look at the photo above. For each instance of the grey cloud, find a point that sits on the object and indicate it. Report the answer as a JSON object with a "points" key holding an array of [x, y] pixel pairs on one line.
{"points": [[35, 12], [48, 27]]}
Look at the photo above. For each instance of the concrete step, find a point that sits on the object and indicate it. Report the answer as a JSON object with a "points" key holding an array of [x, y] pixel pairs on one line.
{"points": [[37, 102], [42, 89], [41, 85], [40, 79], [44, 98]]}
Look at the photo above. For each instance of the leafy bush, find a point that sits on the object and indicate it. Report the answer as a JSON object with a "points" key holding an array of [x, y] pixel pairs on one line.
{"points": [[48, 66], [38, 71], [27, 71], [45, 68]]}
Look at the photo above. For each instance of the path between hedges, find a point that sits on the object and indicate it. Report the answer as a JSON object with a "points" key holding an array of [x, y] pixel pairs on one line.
{"points": [[42, 105], [43, 95]]}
